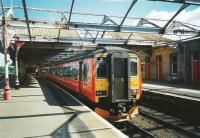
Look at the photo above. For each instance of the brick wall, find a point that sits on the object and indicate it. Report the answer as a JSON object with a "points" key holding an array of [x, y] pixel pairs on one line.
{"points": [[184, 59]]}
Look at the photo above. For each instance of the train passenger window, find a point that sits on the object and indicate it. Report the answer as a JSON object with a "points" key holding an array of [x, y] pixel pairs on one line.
{"points": [[52, 71], [56, 71], [61, 71], [85, 72], [101, 67], [134, 67], [64, 71], [74, 72], [68, 72]]}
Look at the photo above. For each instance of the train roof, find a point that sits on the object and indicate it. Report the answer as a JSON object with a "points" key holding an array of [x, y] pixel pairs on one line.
{"points": [[114, 49], [92, 53]]}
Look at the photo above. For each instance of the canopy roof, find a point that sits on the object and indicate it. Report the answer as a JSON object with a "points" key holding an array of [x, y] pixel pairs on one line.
{"points": [[78, 31]]}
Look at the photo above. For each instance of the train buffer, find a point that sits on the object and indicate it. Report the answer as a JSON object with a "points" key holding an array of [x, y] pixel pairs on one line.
{"points": [[34, 111]]}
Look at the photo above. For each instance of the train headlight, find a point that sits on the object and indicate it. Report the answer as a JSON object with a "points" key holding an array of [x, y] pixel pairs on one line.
{"points": [[134, 91], [100, 93]]}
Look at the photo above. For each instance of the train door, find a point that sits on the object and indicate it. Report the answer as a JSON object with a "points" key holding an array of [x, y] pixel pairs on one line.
{"points": [[195, 67], [148, 69], [81, 77], [159, 67], [119, 77]]}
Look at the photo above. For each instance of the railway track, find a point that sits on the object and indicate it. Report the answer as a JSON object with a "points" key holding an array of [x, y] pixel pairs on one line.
{"points": [[172, 122], [127, 127], [132, 130]]}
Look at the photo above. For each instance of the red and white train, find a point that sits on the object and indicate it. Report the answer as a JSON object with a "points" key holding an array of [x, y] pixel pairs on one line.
{"points": [[108, 77]]}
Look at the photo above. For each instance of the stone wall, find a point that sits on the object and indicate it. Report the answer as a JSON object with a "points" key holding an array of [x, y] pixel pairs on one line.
{"points": [[165, 52]]}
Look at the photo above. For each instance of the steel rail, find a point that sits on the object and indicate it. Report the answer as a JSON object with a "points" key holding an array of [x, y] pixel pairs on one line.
{"points": [[145, 132], [172, 126], [128, 128]]}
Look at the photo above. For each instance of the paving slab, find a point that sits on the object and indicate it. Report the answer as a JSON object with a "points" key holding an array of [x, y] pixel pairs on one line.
{"points": [[34, 112], [178, 91]]}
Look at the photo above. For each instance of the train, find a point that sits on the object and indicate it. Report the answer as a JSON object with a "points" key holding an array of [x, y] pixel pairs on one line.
{"points": [[108, 77]]}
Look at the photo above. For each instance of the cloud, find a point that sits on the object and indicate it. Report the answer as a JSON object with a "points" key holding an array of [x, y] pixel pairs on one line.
{"points": [[192, 17]]}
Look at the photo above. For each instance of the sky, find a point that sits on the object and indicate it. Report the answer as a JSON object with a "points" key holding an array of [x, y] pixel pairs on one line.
{"points": [[143, 8]]}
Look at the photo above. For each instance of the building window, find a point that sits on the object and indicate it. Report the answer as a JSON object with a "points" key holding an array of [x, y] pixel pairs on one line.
{"points": [[159, 59], [174, 66]]}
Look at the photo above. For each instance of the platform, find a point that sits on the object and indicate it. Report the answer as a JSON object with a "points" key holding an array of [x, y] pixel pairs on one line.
{"points": [[178, 90], [34, 112]]}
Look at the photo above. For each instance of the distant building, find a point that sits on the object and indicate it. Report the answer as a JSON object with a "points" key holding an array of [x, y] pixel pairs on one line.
{"points": [[181, 63]]}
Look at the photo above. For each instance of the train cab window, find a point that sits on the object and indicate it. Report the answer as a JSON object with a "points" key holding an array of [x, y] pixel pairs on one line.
{"points": [[101, 67], [134, 67], [85, 72]]}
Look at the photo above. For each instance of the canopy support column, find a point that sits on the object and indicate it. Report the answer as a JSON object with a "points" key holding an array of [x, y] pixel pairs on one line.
{"points": [[7, 95], [5, 43], [17, 48]]}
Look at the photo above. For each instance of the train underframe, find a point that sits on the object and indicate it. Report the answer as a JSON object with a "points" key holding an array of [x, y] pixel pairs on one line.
{"points": [[117, 108]]}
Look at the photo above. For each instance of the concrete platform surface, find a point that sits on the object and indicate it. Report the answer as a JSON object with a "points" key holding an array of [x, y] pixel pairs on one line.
{"points": [[34, 112], [175, 90]]}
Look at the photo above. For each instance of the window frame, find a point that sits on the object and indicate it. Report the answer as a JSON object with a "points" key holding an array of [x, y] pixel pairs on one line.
{"points": [[136, 59], [106, 69]]}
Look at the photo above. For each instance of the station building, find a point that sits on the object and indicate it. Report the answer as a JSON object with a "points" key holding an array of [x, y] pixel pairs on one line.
{"points": [[180, 63]]}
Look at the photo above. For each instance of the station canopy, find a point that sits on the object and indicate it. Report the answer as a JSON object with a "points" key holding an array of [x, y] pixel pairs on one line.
{"points": [[59, 29]]}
